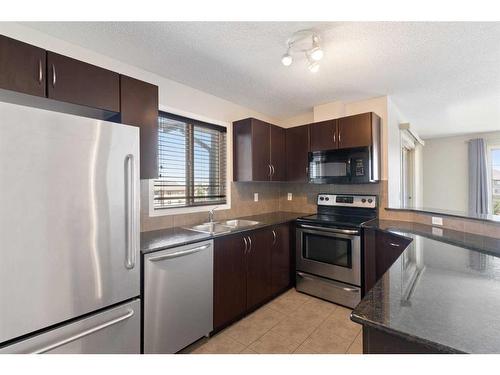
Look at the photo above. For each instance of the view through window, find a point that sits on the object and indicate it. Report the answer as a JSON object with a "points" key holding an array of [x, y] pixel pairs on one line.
{"points": [[495, 177], [192, 163]]}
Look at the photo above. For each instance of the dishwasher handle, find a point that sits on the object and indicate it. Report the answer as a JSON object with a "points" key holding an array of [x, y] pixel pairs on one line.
{"points": [[178, 254]]}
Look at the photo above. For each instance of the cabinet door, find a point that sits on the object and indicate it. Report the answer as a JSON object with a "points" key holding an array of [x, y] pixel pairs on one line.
{"points": [[324, 135], [259, 268], [260, 150], [297, 149], [229, 279], [139, 107], [22, 67], [355, 131], [389, 248], [280, 258], [76, 82], [278, 156]]}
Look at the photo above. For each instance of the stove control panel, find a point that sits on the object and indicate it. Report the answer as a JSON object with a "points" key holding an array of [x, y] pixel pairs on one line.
{"points": [[346, 200]]}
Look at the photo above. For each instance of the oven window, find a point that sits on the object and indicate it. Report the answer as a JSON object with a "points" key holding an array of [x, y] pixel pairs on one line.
{"points": [[325, 249]]}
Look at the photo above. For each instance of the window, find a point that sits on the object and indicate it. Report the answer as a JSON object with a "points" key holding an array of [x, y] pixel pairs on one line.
{"points": [[495, 179], [192, 163]]}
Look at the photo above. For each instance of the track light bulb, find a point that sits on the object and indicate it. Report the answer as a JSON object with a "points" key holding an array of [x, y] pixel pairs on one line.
{"points": [[316, 53], [313, 67], [287, 59]]}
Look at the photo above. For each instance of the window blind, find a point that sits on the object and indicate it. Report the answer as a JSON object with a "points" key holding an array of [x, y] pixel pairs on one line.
{"points": [[192, 163]]}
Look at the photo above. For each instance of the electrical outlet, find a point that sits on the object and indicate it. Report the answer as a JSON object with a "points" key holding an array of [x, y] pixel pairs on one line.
{"points": [[289, 196], [437, 231], [437, 220], [255, 197]]}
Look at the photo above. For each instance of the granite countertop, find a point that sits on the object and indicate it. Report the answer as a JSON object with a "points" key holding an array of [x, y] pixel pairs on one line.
{"points": [[442, 291], [178, 236]]}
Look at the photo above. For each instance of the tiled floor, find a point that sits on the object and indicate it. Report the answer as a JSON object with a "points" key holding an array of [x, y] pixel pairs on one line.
{"points": [[292, 323]]}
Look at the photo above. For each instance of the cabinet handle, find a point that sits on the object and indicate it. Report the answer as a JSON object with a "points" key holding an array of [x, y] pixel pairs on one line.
{"points": [[250, 244], [274, 237], [270, 170], [40, 71], [393, 244], [334, 135], [246, 245], [340, 136], [54, 78], [272, 167]]}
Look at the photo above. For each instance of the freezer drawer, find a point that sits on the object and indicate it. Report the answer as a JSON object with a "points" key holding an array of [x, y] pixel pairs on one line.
{"points": [[178, 297], [113, 331]]}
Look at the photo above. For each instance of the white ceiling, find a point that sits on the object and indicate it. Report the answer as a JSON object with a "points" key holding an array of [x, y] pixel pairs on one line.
{"points": [[445, 77]]}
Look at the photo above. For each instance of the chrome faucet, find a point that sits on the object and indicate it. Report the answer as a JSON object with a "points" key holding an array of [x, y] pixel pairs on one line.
{"points": [[211, 214]]}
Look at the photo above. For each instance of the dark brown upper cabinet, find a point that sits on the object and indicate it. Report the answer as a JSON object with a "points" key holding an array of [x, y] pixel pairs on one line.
{"points": [[278, 153], [357, 130], [346, 132], [324, 135], [139, 107], [259, 151], [297, 149], [22, 67], [76, 82]]}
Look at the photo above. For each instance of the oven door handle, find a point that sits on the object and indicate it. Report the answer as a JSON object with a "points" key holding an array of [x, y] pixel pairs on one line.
{"points": [[333, 230]]}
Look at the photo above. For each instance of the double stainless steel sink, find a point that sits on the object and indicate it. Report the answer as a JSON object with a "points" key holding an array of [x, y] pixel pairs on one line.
{"points": [[223, 226]]}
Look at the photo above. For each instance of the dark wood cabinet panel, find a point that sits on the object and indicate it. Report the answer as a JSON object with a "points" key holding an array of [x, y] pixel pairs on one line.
{"points": [[324, 135], [355, 131], [22, 67], [76, 82], [380, 250], [230, 299], [259, 268], [278, 153], [280, 258], [260, 150], [139, 107], [297, 149]]}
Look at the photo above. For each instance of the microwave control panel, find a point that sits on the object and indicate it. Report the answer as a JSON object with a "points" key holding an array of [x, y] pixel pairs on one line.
{"points": [[359, 168]]}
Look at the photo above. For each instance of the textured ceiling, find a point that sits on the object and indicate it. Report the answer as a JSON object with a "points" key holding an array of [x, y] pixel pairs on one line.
{"points": [[445, 77]]}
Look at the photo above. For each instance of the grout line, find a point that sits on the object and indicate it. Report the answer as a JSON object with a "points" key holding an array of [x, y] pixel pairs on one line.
{"points": [[359, 333]]}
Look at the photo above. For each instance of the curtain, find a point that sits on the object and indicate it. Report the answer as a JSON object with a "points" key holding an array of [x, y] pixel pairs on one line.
{"points": [[478, 178]]}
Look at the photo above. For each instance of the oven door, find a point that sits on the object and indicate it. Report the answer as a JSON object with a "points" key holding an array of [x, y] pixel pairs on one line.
{"points": [[328, 252]]}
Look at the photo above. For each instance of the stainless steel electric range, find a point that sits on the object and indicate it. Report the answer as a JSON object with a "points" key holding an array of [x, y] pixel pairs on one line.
{"points": [[328, 247]]}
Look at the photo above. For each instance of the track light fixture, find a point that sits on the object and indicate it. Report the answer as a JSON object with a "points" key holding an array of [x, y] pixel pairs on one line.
{"points": [[307, 42]]}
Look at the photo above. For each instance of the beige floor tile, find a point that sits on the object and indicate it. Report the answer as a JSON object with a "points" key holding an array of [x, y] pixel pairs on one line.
{"points": [[248, 351], [272, 343], [220, 344], [250, 329], [340, 326], [314, 311], [289, 301], [357, 345], [324, 342], [296, 329], [305, 348]]}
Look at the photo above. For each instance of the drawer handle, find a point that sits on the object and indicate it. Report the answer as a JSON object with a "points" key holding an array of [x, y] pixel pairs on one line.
{"points": [[394, 244], [89, 331]]}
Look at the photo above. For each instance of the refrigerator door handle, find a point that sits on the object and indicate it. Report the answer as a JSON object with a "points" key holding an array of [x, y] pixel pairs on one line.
{"points": [[130, 192], [87, 332]]}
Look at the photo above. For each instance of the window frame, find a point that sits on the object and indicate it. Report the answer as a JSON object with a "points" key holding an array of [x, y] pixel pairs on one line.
{"points": [[490, 146], [154, 212]]}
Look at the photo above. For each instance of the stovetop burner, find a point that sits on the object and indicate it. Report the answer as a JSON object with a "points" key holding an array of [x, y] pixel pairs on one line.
{"points": [[343, 210]]}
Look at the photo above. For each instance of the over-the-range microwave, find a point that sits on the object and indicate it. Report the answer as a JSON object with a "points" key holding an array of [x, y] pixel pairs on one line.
{"points": [[360, 165]]}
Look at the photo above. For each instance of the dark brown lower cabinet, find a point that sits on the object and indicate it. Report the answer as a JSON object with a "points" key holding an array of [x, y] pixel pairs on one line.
{"points": [[258, 259], [249, 269], [280, 258], [230, 299], [381, 249]]}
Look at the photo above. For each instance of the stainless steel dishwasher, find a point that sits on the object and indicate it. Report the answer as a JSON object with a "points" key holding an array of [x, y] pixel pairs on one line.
{"points": [[178, 297]]}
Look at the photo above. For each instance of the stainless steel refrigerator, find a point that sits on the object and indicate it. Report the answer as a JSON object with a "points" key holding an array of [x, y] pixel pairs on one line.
{"points": [[69, 234]]}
